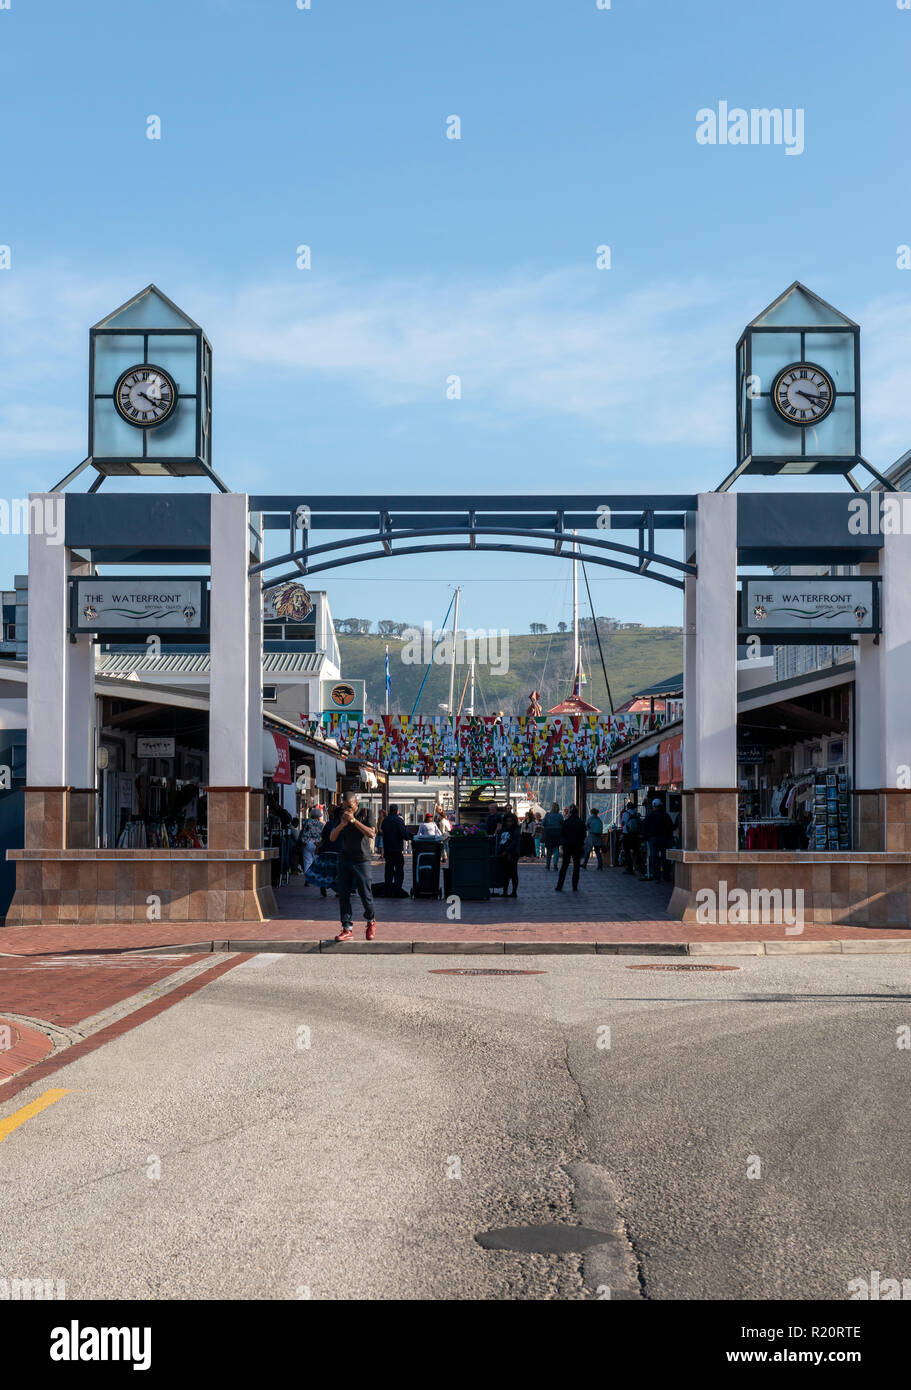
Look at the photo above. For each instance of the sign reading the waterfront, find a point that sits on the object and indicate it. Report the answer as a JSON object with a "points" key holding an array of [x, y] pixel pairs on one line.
{"points": [[138, 605], [820, 606]]}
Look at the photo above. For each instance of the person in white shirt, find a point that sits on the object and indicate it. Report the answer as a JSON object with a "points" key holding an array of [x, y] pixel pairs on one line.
{"points": [[428, 829]]}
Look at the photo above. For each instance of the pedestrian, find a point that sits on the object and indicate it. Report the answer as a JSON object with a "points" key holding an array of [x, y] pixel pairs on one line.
{"points": [[296, 851], [508, 848], [659, 833], [444, 823], [428, 829], [572, 838], [539, 835], [354, 835], [553, 824], [311, 832], [395, 835], [494, 816], [323, 870], [527, 836], [630, 829], [594, 832]]}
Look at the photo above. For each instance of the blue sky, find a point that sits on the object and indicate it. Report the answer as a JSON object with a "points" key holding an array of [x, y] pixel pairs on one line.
{"points": [[433, 257]]}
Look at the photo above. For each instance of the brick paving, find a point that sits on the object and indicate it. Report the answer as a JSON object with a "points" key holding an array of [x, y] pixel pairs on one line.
{"points": [[610, 906], [21, 1047], [65, 990]]}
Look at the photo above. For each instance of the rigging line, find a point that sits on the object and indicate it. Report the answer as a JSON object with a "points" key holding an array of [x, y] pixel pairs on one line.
{"points": [[430, 662], [610, 701], [464, 688]]}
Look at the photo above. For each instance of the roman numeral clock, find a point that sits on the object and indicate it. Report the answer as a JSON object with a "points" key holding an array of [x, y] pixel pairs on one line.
{"points": [[150, 394], [798, 391]]}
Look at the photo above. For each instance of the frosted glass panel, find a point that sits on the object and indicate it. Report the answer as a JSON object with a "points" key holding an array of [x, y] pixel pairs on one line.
{"points": [[770, 433], [176, 438], [771, 352], [149, 311], [835, 434], [178, 356], [114, 438], [805, 310], [113, 356], [835, 352]]}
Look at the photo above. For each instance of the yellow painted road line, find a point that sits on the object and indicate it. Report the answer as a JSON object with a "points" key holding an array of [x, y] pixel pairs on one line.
{"points": [[19, 1117]]}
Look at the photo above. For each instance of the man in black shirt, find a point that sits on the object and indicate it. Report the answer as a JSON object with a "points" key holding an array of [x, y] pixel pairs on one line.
{"points": [[395, 833], [572, 838], [353, 838]]}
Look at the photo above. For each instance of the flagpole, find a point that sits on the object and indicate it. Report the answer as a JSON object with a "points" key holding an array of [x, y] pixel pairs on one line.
{"points": [[387, 677]]}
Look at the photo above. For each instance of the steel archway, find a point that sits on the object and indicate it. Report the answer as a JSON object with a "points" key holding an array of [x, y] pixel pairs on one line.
{"points": [[555, 522]]}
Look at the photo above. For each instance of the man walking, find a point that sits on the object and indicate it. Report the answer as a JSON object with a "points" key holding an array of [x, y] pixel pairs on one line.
{"points": [[395, 833], [659, 832], [353, 836], [630, 828], [572, 838], [594, 830]]}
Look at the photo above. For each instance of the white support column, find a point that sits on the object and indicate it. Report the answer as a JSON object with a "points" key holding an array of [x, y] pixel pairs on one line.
{"points": [[869, 745], [80, 706], [710, 648], [895, 652], [255, 659], [235, 719], [48, 659]]}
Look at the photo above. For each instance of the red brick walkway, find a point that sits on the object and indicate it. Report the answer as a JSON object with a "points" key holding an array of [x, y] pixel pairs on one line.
{"points": [[610, 906], [20, 1047], [65, 990]]}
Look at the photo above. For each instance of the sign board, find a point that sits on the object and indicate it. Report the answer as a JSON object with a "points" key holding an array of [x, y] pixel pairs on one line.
{"points": [[121, 605], [288, 603], [635, 776], [147, 747], [750, 753], [343, 697], [818, 608], [282, 773]]}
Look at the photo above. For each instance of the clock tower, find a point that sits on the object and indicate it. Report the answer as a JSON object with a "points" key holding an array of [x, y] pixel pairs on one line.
{"points": [[150, 394], [798, 392]]}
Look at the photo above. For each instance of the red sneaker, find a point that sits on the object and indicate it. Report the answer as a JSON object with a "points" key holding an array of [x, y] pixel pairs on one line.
{"points": [[345, 935], [371, 930]]}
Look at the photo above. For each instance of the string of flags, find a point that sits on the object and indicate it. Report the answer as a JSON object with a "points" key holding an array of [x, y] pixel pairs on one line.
{"points": [[481, 746]]}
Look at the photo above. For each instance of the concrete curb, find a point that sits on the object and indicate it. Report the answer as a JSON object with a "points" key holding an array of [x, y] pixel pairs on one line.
{"points": [[854, 947]]}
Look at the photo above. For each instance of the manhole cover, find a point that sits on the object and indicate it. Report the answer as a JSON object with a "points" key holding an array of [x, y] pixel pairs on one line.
{"points": [[683, 967], [543, 1240], [488, 972]]}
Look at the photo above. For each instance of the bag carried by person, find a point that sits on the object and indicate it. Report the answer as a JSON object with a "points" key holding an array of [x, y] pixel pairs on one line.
{"points": [[323, 870], [633, 824]]}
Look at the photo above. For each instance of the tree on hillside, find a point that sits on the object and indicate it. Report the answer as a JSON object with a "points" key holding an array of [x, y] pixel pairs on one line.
{"points": [[561, 627], [537, 628]]}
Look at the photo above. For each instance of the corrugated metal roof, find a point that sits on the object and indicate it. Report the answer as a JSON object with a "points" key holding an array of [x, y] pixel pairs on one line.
{"points": [[197, 663]]}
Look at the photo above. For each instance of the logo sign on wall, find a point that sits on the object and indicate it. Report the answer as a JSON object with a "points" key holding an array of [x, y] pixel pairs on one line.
{"points": [[147, 747], [343, 697], [822, 606], [138, 605], [290, 603]]}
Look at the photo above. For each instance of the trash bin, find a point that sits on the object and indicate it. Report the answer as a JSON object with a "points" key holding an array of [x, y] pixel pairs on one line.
{"points": [[425, 868]]}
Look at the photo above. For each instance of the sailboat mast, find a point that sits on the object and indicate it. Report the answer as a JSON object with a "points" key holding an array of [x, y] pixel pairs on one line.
{"points": [[576, 689], [455, 629]]}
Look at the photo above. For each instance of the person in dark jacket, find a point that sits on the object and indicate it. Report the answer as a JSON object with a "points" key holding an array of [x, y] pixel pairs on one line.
{"points": [[494, 816], [553, 824], [508, 845], [353, 836], [572, 838], [395, 833], [658, 829]]}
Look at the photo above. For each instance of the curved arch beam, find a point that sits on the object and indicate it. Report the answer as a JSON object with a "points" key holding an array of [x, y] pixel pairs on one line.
{"points": [[604, 560], [414, 533]]}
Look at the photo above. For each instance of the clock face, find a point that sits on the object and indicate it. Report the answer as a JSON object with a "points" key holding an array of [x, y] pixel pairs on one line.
{"points": [[145, 395], [803, 394]]}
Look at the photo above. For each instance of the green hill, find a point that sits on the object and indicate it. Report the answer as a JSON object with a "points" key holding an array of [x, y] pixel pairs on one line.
{"points": [[544, 663]]}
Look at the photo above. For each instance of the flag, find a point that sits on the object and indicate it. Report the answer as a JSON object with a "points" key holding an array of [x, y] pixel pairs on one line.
{"points": [[387, 669]]}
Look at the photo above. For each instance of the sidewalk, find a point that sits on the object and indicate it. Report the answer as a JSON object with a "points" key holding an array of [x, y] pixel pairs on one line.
{"points": [[611, 908]]}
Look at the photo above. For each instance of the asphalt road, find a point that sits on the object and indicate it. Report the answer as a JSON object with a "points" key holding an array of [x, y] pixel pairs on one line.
{"points": [[314, 1126]]}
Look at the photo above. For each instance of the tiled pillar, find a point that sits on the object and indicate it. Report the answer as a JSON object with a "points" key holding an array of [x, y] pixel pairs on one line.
{"points": [[710, 677]]}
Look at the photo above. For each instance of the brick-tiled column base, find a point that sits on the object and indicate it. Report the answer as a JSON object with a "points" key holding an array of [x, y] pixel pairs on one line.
{"points": [[235, 817], [882, 820], [141, 885], [858, 889], [59, 817], [710, 819]]}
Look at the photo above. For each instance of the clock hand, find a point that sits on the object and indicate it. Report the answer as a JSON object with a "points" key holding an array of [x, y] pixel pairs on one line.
{"points": [[814, 399]]}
